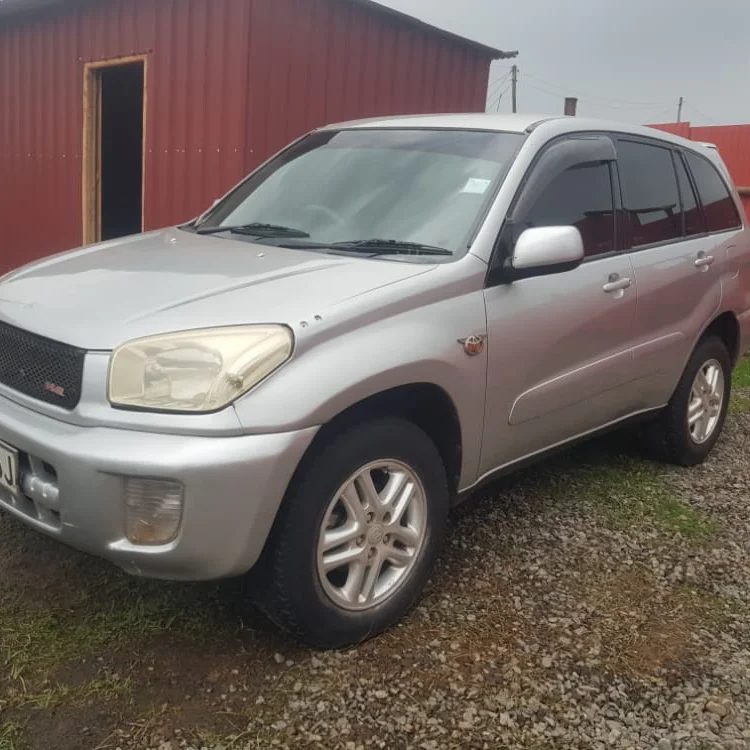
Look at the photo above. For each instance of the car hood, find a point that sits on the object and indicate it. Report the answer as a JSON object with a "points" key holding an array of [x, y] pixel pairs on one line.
{"points": [[106, 294]]}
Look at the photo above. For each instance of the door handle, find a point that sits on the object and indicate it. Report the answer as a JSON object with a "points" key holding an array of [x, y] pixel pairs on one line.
{"points": [[617, 284], [704, 261]]}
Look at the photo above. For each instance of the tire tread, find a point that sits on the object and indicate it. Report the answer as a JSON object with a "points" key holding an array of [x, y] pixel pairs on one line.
{"points": [[667, 438], [278, 586]]}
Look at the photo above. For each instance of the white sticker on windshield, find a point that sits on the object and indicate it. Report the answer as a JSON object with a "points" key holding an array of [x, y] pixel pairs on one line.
{"points": [[476, 186]]}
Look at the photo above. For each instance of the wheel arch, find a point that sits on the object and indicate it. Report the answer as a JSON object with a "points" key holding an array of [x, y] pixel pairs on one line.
{"points": [[727, 328], [426, 405]]}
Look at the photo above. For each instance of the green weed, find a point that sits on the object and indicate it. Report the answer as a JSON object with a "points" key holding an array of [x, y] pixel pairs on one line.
{"points": [[633, 493]]}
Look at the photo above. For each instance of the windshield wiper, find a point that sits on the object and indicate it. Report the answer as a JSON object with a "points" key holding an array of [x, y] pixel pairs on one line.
{"points": [[256, 229], [390, 247]]}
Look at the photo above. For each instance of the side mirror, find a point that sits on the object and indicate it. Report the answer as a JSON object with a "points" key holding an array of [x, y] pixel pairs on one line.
{"points": [[547, 250]]}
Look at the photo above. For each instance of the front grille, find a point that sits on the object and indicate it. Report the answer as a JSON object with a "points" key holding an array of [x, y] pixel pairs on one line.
{"points": [[41, 368]]}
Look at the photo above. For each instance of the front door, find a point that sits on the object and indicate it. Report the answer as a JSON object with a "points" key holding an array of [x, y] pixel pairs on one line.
{"points": [[560, 359]]}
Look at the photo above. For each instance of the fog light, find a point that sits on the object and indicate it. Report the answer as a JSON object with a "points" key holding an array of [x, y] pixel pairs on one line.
{"points": [[153, 510]]}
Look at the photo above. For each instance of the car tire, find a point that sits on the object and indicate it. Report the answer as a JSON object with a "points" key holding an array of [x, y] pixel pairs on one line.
{"points": [[672, 437], [331, 500]]}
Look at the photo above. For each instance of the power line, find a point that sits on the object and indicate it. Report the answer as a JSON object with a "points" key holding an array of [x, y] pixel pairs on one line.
{"points": [[507, 71], [503, 76], [551, 89], [659, 113], [497, 85], [492, 95], [663, 116], [496, 103], [619, 104], [658, 107], [698, 111]]}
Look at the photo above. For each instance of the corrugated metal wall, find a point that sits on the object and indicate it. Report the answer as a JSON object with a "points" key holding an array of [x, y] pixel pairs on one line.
{"points": [[355, 63], [733, 142], [228, 83]]}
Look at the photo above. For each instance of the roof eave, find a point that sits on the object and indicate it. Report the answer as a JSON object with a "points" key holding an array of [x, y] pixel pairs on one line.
{"points": [[492, 52], [8, 7], [11, 7]]}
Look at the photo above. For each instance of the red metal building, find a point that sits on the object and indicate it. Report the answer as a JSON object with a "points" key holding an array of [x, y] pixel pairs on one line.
{"points": [[123, 112], [733, 142]]}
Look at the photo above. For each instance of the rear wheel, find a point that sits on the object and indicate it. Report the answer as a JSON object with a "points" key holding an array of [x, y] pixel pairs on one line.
{"points": [[689, 427], [358, 535]]}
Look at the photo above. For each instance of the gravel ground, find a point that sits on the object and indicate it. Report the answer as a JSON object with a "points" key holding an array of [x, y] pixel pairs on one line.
{"points": [[597, 601]]}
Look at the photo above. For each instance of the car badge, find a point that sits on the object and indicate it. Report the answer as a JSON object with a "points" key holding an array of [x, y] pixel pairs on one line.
{"points": [[473, 345]]}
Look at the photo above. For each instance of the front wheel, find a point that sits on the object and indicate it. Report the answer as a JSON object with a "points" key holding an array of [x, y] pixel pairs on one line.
{"points": [[358, 535], [689, 427]]}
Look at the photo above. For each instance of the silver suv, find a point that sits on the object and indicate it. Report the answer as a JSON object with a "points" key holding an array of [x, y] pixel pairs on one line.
{"points": [[381, 318]]}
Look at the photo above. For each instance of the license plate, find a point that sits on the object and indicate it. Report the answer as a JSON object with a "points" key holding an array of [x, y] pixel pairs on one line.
{"points": [[8, 468]]}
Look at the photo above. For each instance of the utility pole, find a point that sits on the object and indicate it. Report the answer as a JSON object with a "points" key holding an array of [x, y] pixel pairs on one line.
{"points": [[679, 110], [514, 85]]}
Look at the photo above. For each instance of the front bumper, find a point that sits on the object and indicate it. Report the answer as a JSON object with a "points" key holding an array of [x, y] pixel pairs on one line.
{"points": [[74, 481]]}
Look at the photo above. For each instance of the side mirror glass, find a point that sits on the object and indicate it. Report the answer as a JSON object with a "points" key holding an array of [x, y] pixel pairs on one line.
{"points": [[548, 248]]}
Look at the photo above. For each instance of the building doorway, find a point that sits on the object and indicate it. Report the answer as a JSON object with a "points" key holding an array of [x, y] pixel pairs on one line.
{"points": [[114, 117]]}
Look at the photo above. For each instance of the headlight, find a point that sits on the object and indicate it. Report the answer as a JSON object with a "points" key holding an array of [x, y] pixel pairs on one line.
{"points": [[196, 371]]}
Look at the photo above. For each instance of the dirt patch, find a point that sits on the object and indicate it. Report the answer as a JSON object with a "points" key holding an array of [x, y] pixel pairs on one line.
{"points": [[641, 629]]}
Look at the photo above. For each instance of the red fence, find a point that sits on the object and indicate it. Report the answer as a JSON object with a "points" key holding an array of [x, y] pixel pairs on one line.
{"points": [[733, 142]]}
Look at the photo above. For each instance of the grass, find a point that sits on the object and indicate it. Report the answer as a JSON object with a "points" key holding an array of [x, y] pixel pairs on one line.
{"points": [[44, 643], [10, 734], [740, 403], [35, 643], [231, 741], [741, 376], [630, 492], [55, 695], [627, 491]]}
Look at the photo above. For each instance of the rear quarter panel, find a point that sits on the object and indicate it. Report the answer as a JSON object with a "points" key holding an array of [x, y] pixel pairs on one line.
{"points": [[736, 274], [736, 283]]}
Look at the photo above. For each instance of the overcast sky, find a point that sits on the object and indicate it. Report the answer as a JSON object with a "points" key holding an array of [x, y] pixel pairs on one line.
{"points": [[624, 59]]}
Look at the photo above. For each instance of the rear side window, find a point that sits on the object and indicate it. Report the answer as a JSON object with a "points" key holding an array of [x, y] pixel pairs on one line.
{"points": [[721, 213], [580, 197], [651, 200], [691, 210]]}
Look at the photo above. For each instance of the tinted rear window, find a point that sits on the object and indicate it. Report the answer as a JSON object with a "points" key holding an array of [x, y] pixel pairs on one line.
{"points": [[650, 196], [692, 212], [721, 213]]}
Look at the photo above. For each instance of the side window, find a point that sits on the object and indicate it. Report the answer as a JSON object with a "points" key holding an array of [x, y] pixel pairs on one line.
{"points": [[649, 193], [581, 197], [691, 210], [721, 213]]}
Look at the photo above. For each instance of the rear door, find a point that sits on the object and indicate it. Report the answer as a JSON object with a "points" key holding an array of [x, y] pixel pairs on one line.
{"points": [[675, 261]]}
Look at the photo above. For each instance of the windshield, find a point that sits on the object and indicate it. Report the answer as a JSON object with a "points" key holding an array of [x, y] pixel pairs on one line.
{"points": [[424, 187]]}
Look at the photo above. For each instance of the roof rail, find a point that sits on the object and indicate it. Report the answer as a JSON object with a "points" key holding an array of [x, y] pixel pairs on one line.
{"points": [[534, 125]]}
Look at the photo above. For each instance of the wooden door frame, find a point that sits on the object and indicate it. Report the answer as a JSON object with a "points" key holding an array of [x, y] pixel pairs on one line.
{"points": [[92, 142]]}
